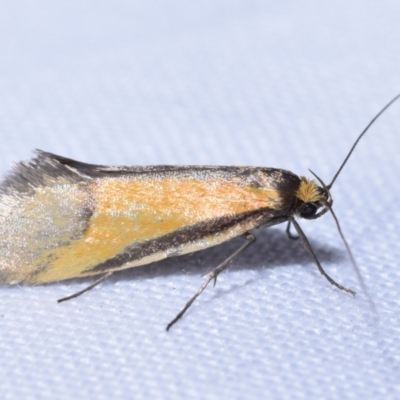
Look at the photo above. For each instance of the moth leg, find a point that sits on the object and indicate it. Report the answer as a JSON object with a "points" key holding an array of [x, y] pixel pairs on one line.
{"points": [[95, 283], [213, 274], [308, 247], [290, 236]]}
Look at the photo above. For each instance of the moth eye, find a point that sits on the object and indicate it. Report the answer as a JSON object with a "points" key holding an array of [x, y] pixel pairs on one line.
{"points": [[309, 210]]}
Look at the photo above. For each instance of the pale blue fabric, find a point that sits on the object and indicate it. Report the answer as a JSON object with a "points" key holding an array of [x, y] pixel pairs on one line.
{"points": [[279, 84]]}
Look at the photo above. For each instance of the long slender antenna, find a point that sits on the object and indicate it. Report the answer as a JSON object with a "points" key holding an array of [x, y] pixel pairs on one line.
{"points": [[359, 137], [328, 206]]}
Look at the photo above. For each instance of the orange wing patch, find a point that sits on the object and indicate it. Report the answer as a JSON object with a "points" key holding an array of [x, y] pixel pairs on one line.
{"points": [[132, 210]]}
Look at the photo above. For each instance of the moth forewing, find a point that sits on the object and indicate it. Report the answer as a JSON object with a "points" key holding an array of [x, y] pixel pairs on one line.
{"points": [[63, 219]]}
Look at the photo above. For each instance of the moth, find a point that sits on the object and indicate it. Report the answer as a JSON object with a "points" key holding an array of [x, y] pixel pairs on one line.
{"points": [[63, 219]]}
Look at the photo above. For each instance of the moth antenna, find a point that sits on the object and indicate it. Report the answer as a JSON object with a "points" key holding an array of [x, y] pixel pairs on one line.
{"points": [[353, 261], [328, 205], [359, 138]]}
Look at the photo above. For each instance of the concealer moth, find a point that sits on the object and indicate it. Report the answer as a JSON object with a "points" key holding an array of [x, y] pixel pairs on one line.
{"points": [[63, 219]]}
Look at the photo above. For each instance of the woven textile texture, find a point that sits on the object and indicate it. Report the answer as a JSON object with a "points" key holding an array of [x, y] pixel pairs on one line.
{"points": [[276, 84]]}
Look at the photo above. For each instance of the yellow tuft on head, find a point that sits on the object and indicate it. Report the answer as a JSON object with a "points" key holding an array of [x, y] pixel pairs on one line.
{"points": [[308, 191]]}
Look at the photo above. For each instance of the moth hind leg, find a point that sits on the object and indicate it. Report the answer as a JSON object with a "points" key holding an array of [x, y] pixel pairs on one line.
{"points": [[90, 287]]}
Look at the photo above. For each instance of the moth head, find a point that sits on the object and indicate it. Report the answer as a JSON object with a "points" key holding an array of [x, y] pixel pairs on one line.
{"points": [[311, 198]]}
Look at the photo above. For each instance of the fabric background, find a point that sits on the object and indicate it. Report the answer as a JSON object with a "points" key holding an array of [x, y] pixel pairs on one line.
{"points": [[278, 84]]}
